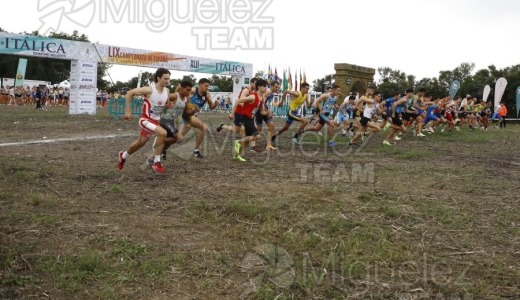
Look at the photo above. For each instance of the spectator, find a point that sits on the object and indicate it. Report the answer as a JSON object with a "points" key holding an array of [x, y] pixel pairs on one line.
{"points": [[38, 98], [502, 112]]}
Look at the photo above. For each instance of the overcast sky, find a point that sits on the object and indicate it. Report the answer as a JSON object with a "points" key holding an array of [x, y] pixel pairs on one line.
{"points": [[418, 37]]}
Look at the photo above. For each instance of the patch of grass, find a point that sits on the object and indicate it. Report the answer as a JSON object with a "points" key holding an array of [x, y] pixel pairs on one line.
{"points": [[116, 189], [124, 248], [46, 219], [35, 199], [43, 172], [153, 269], [5, 195], [369, 243], [24, 176], [73, 273], [255, 210], [437, 211], [15, 280], [201, 211], [415, 153], [365, 198], [6, 256], [389, 150], [390, 212], [462, 137], [337, 225]]}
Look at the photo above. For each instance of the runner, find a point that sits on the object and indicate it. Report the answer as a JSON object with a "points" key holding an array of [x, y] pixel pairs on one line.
{"points": [[175, 107], [266, 116], [246, 91], [420, 109], [391, 105], [370, 108], [156, 96], [345, 114], [448, 114], [200, 96], [325, 105], [297, 100], [433, 113], [244, 117]]}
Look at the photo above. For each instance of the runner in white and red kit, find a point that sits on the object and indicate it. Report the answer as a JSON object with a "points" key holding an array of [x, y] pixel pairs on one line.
{"points": [[155, 98]]}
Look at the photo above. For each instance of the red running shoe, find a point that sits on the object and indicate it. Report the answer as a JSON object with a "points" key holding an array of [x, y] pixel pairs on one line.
{"points": [[158, 167], [121, 162]]}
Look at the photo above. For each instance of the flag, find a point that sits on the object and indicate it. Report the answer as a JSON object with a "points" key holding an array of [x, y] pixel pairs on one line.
{"points": [[454, 88], [269, 74], [20, 73], [285, 82], [139, 78], [276, 78], [301, 79], [295, 81], [290, 86], [500, 87], [518, 102], [485, 96], [304, 77]]}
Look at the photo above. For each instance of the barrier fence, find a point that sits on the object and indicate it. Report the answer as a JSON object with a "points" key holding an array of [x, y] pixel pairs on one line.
{"points": [[117, 106]]}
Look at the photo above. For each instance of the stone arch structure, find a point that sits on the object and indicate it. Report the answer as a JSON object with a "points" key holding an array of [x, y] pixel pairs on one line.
{"points": [[359, 87], [353, 78]]}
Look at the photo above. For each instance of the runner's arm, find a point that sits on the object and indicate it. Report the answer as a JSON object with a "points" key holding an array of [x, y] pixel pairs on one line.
{"points": [[292, 93], [342, 107], [144, 91], [394, 106], [320, 100], [172, 98], [250, 98]]}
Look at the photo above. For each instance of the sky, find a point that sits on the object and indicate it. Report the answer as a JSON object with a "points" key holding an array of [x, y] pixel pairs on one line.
{"points": [[418, 37]]}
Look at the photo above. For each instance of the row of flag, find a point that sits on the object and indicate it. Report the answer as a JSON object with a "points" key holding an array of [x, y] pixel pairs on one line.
{"points": [[286, 81]]}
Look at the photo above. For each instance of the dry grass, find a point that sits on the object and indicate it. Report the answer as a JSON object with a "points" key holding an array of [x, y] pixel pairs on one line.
{"points": [[439, 219]]}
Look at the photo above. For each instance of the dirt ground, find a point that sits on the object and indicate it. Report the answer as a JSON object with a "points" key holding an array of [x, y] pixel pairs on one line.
{"points": [[436, 217]]}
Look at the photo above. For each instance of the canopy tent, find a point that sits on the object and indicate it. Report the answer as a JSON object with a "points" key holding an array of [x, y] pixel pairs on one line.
{"points": [[64, 84]]}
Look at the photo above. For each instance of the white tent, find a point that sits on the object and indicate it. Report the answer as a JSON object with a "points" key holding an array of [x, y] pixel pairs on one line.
{"points": [[64, 84]]}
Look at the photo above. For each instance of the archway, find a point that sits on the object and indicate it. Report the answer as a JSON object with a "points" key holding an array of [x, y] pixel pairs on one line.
{"points": [[352, 78], [359, 88], [85, 56]]}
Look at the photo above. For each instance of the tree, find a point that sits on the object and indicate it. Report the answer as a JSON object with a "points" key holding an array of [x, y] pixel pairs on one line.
{"points": [[392, 81], [224, 83], [320, 84], [432, 86], [175, 82], [64, 36], [260, 74]]}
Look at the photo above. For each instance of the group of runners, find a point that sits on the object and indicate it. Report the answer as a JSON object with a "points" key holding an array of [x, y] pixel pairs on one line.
{"points": [[356, 116]]}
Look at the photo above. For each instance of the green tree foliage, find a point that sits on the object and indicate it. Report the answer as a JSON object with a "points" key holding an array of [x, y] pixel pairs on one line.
{"points": [[472, 83], [225, 83], [320, 84], [177, 81], [260, 74]]}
